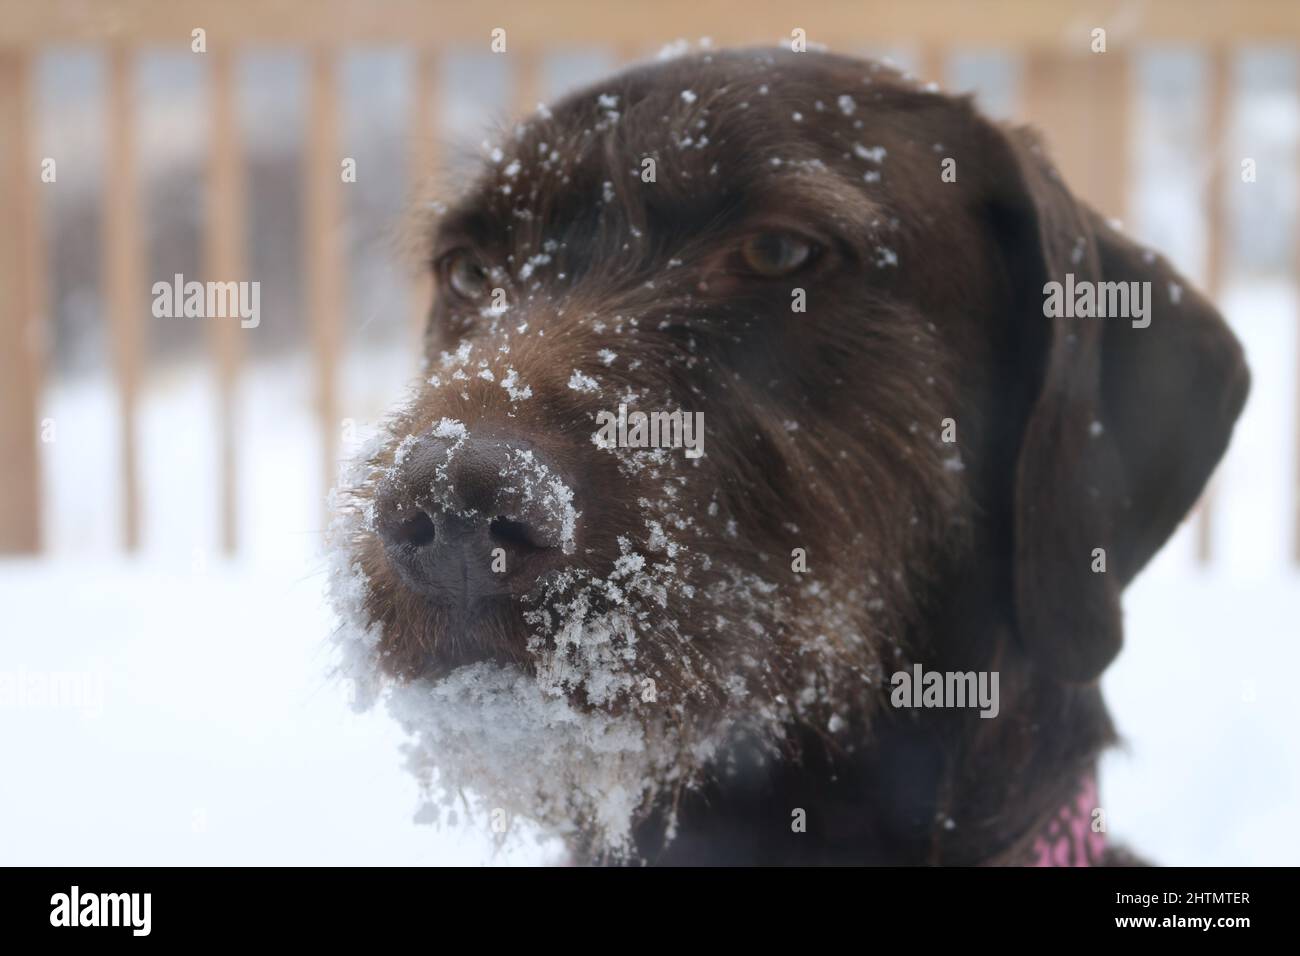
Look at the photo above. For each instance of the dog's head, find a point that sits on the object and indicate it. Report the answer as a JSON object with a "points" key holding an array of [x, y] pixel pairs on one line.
{"points": [[819, 291]]}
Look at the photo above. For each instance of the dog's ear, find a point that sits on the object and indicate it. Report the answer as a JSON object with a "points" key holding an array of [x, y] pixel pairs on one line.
{"points": [[1127, 415]]}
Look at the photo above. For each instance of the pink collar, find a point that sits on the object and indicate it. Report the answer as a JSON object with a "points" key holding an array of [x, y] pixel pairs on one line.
{"points": [[1069, 837]]}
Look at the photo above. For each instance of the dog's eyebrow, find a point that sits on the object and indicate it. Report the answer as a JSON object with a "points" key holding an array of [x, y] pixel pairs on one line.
{"points": [[820, 196], [464, 224]]}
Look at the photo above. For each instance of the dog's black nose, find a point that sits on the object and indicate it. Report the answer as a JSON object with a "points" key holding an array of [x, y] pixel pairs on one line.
{"points": [[464, 518]]}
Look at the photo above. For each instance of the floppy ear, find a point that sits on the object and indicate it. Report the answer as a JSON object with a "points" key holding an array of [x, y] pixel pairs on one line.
{"points": [[1129, 417]]}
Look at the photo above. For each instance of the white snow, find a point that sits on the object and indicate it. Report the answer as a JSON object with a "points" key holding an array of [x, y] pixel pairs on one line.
{"points": [[510, 382], [874, 154], [580, 382]]}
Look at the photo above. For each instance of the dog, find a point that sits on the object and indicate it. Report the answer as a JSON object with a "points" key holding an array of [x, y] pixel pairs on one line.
{"points": [[834, 286]]}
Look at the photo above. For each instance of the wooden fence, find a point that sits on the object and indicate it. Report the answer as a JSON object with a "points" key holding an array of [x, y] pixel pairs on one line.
{"points": [[1082, 101]]}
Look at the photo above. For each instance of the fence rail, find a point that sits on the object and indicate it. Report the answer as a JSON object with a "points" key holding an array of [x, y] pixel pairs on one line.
{"points": [[1082, 103], [449, 24]]}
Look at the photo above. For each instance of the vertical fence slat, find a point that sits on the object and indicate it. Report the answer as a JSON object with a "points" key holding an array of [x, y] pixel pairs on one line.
{"points": [[224, 244], [20, 352], [626, 54], [124, 275], [528, 82], [422, 157], [1216, 220], [1052, 102], [933, 65], [1111, 109], [323, 247], [1080, 102]]}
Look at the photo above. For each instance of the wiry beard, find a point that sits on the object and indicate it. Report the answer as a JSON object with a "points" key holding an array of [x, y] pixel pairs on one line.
{"points": [[618, 703]]}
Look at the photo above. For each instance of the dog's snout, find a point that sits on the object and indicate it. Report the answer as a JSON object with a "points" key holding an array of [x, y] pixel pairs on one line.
{"points": [[461, 521]]}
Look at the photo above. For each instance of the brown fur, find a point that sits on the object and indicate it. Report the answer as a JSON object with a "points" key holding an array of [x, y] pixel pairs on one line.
{"points": [[823, 434]]}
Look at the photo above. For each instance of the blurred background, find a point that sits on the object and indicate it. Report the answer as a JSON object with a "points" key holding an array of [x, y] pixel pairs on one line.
{"points": [[164, 695]]}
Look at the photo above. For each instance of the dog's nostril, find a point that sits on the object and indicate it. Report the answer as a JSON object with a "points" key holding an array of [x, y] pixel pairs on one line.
{"points": [[416, 531], [516, 534]]}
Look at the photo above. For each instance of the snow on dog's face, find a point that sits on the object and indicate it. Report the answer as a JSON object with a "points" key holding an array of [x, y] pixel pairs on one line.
{"points": [[575, 622]]}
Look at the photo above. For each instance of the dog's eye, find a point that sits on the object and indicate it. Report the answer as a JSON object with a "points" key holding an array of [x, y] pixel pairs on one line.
{"points": [[775, 254], [464, 274]]}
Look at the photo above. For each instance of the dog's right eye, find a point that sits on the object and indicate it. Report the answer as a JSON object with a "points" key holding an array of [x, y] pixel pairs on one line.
{"points": [[771, 255], [464, 274]]}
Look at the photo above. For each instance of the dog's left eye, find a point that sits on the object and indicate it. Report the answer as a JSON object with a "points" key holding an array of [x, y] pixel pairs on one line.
{"points": [[775, 254], [464, 274]]}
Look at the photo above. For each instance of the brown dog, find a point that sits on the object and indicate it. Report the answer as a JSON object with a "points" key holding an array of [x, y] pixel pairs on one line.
{"points": [[908, 455]]}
